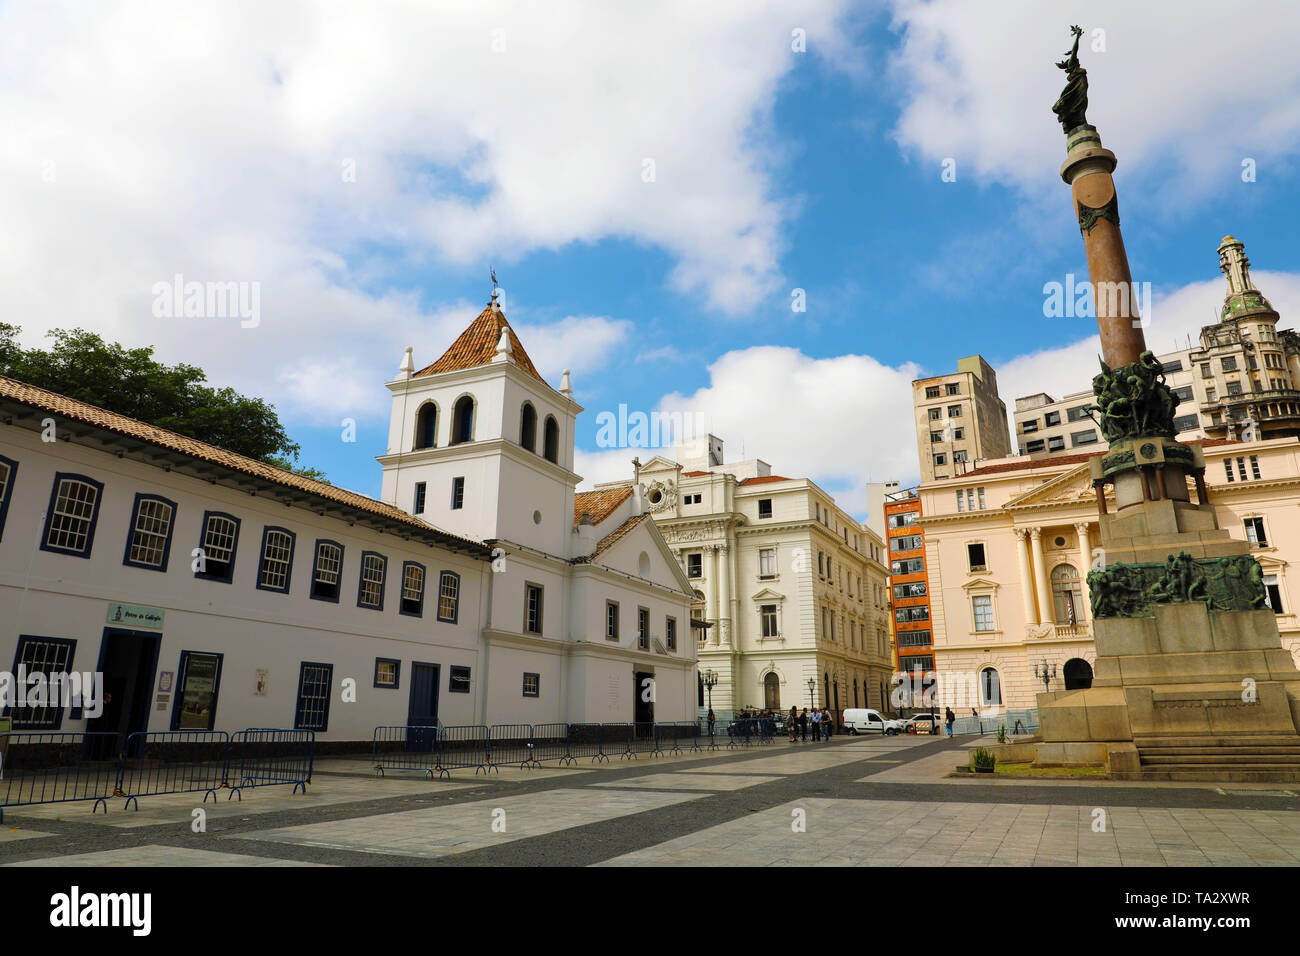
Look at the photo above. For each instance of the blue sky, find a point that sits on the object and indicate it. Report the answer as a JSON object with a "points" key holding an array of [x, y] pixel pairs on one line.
{"points": [[208, 140]]}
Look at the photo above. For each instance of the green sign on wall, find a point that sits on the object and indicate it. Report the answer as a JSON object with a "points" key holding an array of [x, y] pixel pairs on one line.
{"points": [[132, 615]]}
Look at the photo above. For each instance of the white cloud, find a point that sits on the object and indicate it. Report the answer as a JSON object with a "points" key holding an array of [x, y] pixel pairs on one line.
{"points": [[841, 421], [296, 144], [1182, 95], [1173, 318]]}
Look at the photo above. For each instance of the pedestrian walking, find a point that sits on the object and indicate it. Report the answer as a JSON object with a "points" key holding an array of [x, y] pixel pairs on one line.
{"points": [[816, 720], [949, 718], [712, 721], [793, 724], [828, 723], [803, 724]]}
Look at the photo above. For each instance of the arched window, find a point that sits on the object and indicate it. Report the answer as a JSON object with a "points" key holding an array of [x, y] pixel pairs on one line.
{"points": [[1066, 594], [990, 688], [855, 692], [1077, 673], [552, 440], [826, 690], [462, 420], [772, 692], [528, 427], [426, 426]]}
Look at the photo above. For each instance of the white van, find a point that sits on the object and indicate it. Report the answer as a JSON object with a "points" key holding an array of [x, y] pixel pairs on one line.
{"points": [[864, 720]]}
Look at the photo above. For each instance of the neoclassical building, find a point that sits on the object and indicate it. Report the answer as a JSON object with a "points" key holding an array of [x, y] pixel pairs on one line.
{"points": [[1008, 547], [790, 587]]}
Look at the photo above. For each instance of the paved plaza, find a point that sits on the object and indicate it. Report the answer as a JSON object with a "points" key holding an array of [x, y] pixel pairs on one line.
{"points": [[852, 801]]}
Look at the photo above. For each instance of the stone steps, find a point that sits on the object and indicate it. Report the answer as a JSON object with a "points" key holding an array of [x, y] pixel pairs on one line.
{"points": [[1242, 758], [1207, 742], [1226, 773], [1284, 758]]}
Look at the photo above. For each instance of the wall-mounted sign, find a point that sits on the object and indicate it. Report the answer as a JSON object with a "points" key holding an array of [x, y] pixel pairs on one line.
{"points": [[259, 685], [133, 615], [165, 679]]}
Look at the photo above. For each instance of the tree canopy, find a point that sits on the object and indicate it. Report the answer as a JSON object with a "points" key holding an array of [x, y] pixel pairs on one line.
{"points": [[131, 382]]}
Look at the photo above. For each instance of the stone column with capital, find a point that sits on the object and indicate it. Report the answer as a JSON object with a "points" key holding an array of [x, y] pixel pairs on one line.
{"points": [[714, 583], [1084, 614], [724, 595], [1026, 576], [1040, 576]]}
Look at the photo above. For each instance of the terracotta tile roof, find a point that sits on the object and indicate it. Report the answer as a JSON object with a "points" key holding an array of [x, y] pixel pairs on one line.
{"points": [[478, 344], [1053, 461], [694, 474], [73, 410], [600, 503], [763, 479], [613, 538]]}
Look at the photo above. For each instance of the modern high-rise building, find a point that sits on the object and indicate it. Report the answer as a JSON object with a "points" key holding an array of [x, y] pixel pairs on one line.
{"points": [[1241, 382], [960, 419]]}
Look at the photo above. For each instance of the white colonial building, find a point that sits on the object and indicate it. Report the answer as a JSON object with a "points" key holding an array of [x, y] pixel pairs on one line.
{"points": [[791, 588], [216, 592]]}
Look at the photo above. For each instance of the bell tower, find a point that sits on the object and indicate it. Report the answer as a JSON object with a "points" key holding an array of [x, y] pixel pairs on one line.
{"points": [[480, 445]]}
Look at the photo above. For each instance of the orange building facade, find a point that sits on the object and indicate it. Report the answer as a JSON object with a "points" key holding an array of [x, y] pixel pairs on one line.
{"points": [[909, 587]]}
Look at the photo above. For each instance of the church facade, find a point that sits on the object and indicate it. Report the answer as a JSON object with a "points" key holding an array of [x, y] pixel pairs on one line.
{"points": [[213, 591]]}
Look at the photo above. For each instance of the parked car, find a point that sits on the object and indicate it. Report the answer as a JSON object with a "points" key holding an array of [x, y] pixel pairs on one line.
{"points": [[864, 720], [924, 724]]}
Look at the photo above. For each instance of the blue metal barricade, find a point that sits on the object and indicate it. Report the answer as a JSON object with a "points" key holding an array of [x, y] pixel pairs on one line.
{"points": [[407, 747], [270, 756], [586, 740], [174, 761], [58, 768], [511, 743], [551, 742], [741, 732], [468, 745], [641, 740], [667, 739]]}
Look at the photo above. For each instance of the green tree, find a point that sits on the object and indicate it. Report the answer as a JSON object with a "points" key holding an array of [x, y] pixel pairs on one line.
{"points": [[131, 382]]}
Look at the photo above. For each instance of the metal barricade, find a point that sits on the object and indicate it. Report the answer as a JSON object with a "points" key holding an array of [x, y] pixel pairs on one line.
{"points": [[551, 742], [468, 745], [641, 740], [586, 740], [408, 747], [270, 756], [511, 743], [174, 761], [58, 768], [740, 732], [667, 739]]}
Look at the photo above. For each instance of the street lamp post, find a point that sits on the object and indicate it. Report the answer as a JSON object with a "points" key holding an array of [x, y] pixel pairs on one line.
{"points": [[710, 680], [812, 688], [1043, 674]]}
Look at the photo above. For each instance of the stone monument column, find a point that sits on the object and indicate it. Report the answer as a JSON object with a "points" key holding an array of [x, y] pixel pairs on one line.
{"points": [[1178, 617]]}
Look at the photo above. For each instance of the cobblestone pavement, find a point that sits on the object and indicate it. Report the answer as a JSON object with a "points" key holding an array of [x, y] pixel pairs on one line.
{"points": [[850, 801]]}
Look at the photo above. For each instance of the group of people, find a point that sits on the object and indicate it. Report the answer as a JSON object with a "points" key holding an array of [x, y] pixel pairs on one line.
{"points": [[821, 721]]}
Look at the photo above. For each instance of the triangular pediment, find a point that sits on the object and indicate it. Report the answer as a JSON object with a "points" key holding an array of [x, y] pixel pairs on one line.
{"points": [[1067, 489], [767, 594], [980, 584], [659, 463]]}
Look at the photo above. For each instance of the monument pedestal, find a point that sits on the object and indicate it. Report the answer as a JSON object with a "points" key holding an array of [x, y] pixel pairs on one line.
{"points": [[1192, 682]]}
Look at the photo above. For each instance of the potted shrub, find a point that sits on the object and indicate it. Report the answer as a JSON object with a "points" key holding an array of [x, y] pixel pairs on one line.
{"points": [[1002, 734], [983, 760]]}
